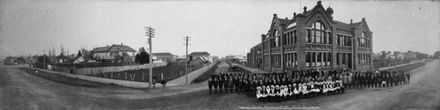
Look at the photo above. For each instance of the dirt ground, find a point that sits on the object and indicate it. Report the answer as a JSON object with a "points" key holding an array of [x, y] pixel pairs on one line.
{"points": [[21, 90]]}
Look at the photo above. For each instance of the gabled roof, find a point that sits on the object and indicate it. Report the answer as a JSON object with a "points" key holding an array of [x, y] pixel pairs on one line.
{"points": [[357, 24], [114, 47], [344, 26], [198, 53], [341, 25], [163, 54], [61, 57]]}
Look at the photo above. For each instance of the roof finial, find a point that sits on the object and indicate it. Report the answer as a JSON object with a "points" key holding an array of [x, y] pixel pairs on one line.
{"points": [[319, 2]]}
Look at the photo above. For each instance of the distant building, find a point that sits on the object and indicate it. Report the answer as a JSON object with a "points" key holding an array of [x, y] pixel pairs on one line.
{"points": [[205, 56], [11, 60], [166, 56], [237, 58], [111, 53], [62, 59], [313, 39]]}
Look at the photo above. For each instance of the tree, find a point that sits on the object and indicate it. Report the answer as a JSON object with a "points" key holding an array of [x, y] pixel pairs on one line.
{"points": [[44, 59], [87, 55], [396, 54], [437, 55], [142, 57], [383, 55], [79, 53]]}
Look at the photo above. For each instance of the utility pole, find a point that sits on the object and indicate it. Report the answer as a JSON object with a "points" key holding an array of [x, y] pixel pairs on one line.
{"points": [[187, 59], [44, 59], [150, 34]]}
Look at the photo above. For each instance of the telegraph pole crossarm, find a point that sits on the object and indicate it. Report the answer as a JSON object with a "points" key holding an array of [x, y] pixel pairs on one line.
{"points": [[150, 34]]}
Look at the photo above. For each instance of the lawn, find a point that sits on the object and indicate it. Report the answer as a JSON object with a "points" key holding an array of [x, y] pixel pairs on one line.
{"points": [[409, 67]]}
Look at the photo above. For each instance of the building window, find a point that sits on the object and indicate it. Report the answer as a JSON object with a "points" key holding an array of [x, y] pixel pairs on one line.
{"points": [[313, 36], [294, 36], [318, 34], [337, 59], [288, 38], [319, 59], [342, 40], [277, 41], [313, 59], [329, 58], [363, 39], [308, 59], [295, 61], [338, 39], [284, 38], [308, 38], [349, 41]]}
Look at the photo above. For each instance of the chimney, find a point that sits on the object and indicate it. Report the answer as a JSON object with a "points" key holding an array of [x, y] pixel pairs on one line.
{"points": [[263, 37], [294, 14], [363, 19], [305, 10], [351, 21], [275, 15]]}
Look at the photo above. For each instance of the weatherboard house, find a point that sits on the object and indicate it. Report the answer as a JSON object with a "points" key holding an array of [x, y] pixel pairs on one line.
{"points": [[202, 56], [165, 56], [112, 52], [313, 39]]}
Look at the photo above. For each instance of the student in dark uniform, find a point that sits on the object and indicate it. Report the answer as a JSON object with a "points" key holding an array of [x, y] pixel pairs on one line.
{"points": [[235, 81], [210, 85], [220, 84], [231, 85], [215, 84]]}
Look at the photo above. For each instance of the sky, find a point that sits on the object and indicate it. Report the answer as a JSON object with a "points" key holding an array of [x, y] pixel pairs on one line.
{"points": [[228, 27]]}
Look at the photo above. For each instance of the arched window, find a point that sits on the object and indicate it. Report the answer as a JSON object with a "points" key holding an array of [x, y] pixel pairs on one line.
{"points": [[363, 39], [318, 34], [276, 39]]}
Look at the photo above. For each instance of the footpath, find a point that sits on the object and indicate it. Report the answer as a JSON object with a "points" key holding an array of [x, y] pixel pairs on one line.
{"points": [[183, 80]]}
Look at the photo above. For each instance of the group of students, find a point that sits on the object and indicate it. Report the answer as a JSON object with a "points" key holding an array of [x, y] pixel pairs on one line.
{"points": [[301, 83], [386, 78], [294, 91], [278, 86]]}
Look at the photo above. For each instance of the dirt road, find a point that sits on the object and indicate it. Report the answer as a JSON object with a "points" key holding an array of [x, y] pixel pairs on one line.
{"points": [[21, 90]]}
